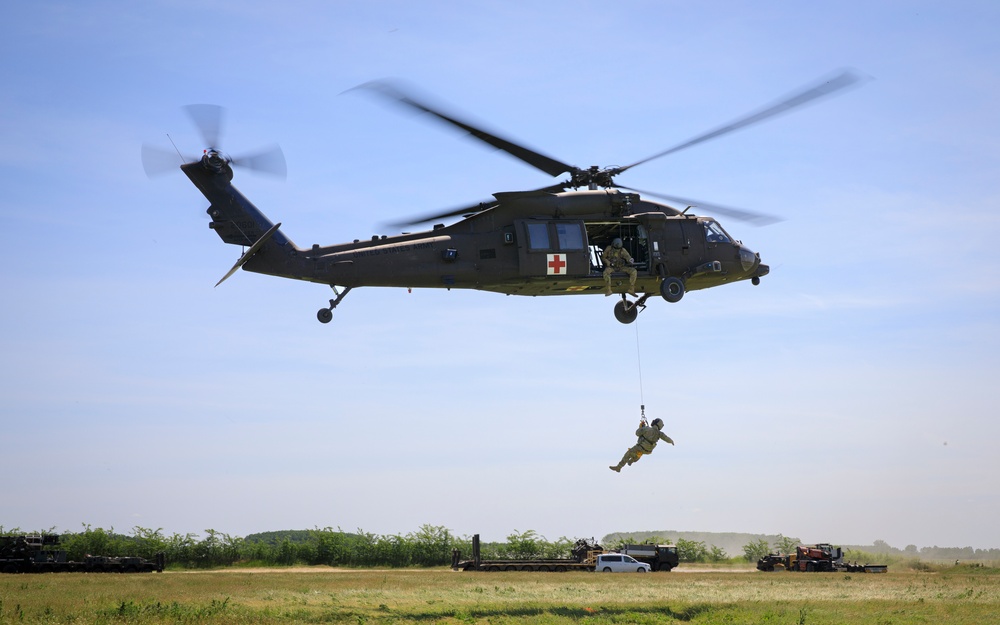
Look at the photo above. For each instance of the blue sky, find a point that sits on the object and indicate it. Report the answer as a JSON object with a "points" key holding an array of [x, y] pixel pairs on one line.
{"points": [[856, 385]]}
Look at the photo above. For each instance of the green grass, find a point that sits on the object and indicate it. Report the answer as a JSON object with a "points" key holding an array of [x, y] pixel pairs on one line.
{"points": [[323, 595]]}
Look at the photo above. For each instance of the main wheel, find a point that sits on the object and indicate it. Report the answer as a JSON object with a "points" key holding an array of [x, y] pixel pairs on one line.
{"points": [[324, 315], [672, 289], [625, 313]]}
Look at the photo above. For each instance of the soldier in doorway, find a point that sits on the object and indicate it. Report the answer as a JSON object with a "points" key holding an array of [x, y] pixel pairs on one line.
{"points": [[617, 258], [649, 436]]}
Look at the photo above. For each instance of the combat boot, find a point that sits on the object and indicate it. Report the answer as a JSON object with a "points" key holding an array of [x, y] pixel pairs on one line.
{"points": [[616, 469]]}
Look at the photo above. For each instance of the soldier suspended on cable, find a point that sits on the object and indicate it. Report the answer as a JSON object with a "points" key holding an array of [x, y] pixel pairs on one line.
{"points": [[649, 436]]}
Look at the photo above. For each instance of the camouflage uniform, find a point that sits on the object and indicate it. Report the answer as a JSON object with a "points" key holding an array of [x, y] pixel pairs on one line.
{"points": [[649, 436], [618, 259]]}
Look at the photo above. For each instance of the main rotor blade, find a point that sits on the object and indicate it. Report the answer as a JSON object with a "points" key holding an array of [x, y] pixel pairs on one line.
{"points": [[751, 217], [475, 208], [208, 119], [455, 212], [270, 160], [547, 164], [825, 87]]}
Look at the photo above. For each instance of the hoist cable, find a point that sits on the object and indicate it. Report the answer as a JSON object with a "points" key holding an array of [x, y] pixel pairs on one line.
{"points": [[638, 359]]}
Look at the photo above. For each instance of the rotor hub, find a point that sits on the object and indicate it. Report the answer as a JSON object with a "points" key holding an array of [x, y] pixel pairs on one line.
{"points": [[213, 160]]}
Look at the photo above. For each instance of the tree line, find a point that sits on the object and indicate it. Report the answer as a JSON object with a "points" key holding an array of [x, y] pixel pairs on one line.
{"points": [[428, 546]]}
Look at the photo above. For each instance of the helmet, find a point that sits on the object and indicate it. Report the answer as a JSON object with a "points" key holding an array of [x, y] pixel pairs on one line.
{"points": [[658, 424], [617, 243]]}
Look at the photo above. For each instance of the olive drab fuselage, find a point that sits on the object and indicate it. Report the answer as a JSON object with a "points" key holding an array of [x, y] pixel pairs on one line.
{"points": [[547, 241], [530, 243]]}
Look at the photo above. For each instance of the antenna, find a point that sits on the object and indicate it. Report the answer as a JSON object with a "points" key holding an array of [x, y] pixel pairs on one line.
{"points": [[175, 148]]}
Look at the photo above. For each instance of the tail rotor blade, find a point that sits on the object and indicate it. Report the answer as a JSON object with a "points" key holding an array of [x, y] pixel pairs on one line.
{"points": [[157, 161], [270, 161], [208, 119]]}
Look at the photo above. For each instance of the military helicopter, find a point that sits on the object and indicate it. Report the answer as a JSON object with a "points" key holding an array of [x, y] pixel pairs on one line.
{"points": [[546, 241]]}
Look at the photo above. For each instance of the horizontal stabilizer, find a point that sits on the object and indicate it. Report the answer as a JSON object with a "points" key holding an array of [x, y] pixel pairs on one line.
{"points": [[250, 252]]}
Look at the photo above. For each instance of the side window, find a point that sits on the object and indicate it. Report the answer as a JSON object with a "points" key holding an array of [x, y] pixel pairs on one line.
{"points": [[538, 236], [570, 236]]}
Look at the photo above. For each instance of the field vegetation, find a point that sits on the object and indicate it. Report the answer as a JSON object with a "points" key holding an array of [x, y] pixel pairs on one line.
{"points": [[331, 576], [961, 595]]}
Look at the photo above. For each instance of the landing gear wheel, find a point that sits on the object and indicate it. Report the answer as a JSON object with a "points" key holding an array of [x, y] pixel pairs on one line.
{"points": [[626, 313], [326, 314], [672, 289]]}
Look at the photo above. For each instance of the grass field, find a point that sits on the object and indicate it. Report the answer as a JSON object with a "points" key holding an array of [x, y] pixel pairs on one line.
{"points": [[322, 595]]}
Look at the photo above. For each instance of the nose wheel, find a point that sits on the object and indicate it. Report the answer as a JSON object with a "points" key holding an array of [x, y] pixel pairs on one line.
{"points": [[325, 315]]}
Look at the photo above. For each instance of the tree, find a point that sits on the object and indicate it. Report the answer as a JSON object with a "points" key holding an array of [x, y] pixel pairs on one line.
{"points": [[755, 550], [524, 545], [717, 554], [784, 544], [691, 551]]}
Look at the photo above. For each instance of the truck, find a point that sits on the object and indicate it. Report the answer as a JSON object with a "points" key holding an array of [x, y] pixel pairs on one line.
{"points": [[39, 553], [821, 557], [584, 556], [658, 557]]}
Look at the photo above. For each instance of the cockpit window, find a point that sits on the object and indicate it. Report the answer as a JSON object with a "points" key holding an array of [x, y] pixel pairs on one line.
{"points": [[714, 233], [570, 236], [538, 236]]}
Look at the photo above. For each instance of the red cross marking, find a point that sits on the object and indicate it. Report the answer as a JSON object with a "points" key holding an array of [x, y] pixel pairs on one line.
{"points": [[557, 264]]}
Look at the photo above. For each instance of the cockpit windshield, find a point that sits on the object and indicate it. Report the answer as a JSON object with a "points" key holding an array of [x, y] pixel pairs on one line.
{"points": [[714, 232]]}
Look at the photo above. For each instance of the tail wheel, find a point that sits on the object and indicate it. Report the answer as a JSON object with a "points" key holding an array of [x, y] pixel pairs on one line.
{"points": [[672, 289]]}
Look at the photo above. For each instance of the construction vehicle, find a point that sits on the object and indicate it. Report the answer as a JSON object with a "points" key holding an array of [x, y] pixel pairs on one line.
{"points": [[774, 561], [584, 556], [821, 557], [658, 557], [40, 554]]}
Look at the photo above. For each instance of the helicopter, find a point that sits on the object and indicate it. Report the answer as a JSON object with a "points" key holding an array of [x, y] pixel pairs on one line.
{"points": [[546, 241]]}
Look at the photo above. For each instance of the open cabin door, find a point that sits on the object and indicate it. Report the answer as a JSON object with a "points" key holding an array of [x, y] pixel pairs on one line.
{"points": [[553, 248]]}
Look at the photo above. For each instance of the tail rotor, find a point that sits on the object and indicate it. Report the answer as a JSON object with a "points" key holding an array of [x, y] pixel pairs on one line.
{"points": [[208, 120]]}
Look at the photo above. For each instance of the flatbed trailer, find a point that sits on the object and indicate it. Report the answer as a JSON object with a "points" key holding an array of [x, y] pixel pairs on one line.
{"points": [[35, 554], [584, 561]]}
